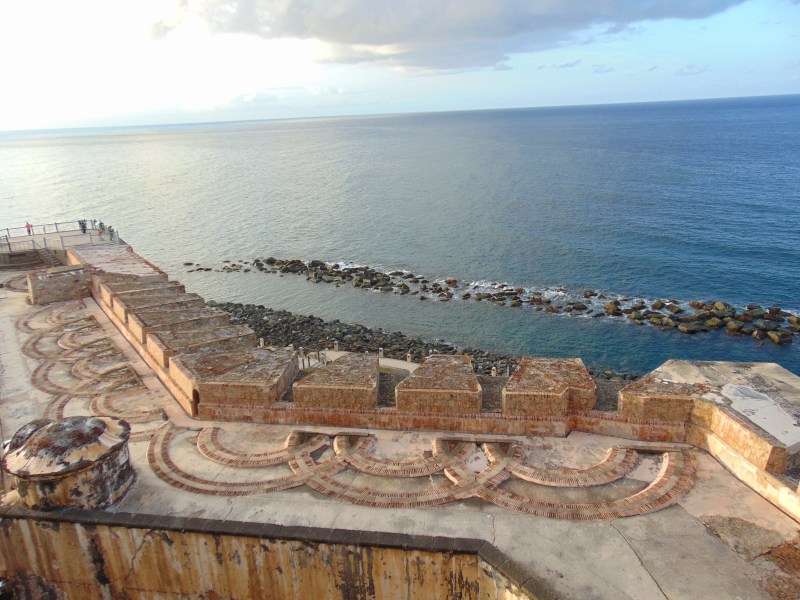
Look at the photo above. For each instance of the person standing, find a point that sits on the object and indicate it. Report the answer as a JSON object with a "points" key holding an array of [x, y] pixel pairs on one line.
{"points": [[29, 227]]}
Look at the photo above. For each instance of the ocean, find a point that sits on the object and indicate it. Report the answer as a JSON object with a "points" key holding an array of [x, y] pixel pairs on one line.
{"points": [[674, 200]]}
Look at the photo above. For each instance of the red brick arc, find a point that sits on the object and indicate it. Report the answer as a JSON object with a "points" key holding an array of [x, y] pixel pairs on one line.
{"points": [[672, 482]]}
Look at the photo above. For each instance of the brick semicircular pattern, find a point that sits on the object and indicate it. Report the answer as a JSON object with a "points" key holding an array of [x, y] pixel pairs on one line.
{"points": [[341, 453]]}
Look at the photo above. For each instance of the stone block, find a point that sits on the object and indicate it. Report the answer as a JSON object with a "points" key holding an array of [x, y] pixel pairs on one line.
{"points": [[441, 384], [107, 290], [654, 398], [123, 307], [148, 321], [256, 377], [59, 284], [164, 344], [547, 387], [349, 383]]}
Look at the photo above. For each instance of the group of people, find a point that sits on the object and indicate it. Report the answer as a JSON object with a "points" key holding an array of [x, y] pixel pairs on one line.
{"points": [[83, 225], [101, 228]]}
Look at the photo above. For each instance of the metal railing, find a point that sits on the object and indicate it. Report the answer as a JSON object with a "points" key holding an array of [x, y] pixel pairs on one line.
{"points": [[11, 232], [20, 246], [53, 236]]}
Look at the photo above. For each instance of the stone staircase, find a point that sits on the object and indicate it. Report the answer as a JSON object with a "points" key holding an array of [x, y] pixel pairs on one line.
{"points": [[47, 257]]}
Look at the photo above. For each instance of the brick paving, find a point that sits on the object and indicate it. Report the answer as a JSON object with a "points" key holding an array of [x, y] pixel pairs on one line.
{"points": [[449, 458]]}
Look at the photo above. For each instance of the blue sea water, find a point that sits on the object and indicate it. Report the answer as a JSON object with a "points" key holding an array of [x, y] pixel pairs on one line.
{"points": [[682, 200]]}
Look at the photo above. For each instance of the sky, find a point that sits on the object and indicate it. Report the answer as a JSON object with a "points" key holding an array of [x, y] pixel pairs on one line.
{"points": [[86, 63]]}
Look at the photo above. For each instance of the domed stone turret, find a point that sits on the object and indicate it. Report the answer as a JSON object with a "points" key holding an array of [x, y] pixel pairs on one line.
{"points": [[77, 461]]}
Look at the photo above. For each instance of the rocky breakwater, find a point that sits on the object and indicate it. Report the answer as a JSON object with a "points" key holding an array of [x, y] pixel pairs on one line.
{"points": [[763, 323], [282, 328]]}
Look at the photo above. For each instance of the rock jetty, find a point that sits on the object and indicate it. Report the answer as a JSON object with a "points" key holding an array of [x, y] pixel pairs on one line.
{"points": [[282, 328], [763, 323]]}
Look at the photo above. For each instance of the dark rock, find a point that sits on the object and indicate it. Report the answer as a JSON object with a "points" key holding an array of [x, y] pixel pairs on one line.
{"points": [[674, 308], [734, 326], [775, 317], [780, 337]]}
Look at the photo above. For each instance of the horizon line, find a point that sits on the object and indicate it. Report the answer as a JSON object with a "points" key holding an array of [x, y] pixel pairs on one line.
{"points": [[159, 124]]}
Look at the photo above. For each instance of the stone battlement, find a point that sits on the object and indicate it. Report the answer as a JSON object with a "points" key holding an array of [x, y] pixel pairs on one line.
{"points": [[740, 411]]}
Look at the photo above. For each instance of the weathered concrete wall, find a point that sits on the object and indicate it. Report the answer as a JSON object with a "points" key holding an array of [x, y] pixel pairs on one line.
{"points": [[92, 555], [58, 285], [760, 480], [757, 447], [13, 259]]}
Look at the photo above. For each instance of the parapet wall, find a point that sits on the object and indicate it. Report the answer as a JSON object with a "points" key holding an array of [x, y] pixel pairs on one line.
{"points": [[96, 555]]}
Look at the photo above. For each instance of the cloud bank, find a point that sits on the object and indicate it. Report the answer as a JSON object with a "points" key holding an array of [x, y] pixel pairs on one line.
{"points": [[432, 34]]}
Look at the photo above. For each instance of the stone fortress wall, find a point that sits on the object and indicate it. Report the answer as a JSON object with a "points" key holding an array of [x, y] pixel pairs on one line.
{"points": [[742, 414], [215, 371]]}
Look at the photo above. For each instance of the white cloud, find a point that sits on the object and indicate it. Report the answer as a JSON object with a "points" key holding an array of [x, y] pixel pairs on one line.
{"points": [[438, 34], [91, 60]]}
